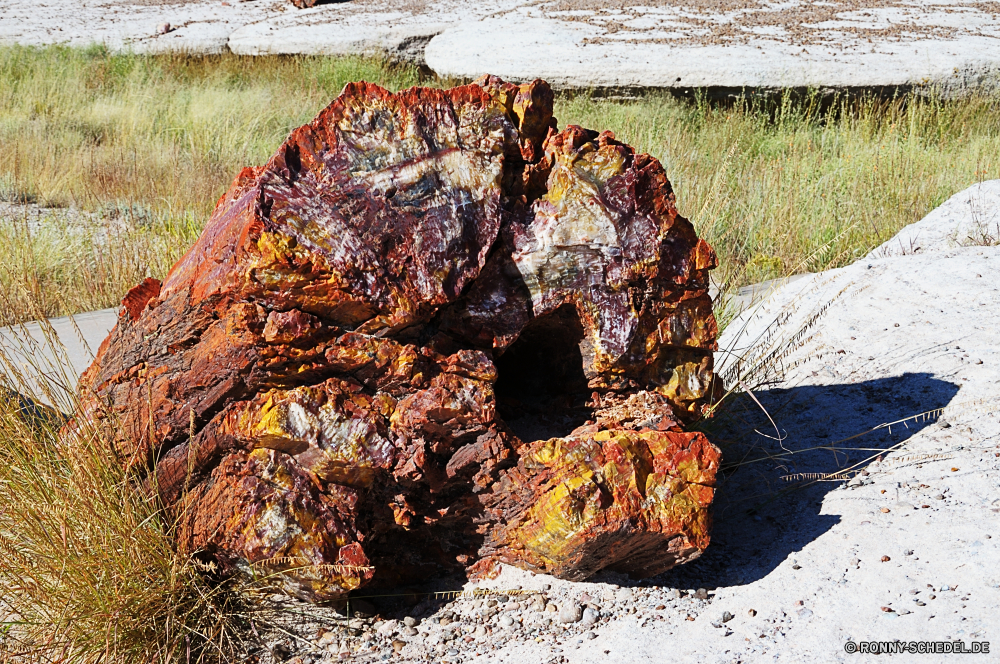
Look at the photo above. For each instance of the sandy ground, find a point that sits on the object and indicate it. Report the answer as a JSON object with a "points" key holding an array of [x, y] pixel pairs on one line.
{"points": [[728, 44]]}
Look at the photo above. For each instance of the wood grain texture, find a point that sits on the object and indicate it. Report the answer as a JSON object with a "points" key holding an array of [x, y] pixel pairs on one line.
{"points": [[432, 333]]}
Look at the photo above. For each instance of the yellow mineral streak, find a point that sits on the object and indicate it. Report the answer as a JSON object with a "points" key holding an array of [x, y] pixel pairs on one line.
{"points": [[277, 267], [688, 383], [293, 421], [560, 522]]}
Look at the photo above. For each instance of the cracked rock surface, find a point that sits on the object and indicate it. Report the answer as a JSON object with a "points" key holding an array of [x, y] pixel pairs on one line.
{"points": [[432, 334]]}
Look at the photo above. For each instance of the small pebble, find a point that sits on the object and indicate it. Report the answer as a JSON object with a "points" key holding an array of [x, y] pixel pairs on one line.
{"points": [[506, 621], [727, 616], [571, 613], [886, 559], [397, 645], [163, 28], [410, 621], [590, 617], [701, 593], [410, 631]]}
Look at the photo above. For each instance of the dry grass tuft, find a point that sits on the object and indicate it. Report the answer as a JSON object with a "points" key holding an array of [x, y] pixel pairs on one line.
{"points": [[57, 263], [87, 571]]}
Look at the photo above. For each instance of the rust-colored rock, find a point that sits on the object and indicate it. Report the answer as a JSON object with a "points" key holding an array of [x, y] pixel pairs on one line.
{"points": [[431, 333]]}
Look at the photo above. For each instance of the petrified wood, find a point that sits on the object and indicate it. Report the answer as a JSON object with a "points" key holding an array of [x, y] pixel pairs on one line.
{"points": [[431, 333]]}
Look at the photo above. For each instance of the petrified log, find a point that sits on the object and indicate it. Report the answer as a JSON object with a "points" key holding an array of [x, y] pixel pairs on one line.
{"points": [[431, 333]]}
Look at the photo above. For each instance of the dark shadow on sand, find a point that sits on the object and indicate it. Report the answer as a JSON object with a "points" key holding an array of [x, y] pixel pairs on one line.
{"points": [[759, 520]]}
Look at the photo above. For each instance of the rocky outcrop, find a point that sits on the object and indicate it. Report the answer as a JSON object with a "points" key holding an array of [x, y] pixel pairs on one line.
{"points": [[431, 333]]}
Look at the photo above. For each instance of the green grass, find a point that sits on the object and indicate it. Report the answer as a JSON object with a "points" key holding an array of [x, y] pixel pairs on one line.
{"points": [[149, 144], [777, 188], [789, 187], [169, 133]]}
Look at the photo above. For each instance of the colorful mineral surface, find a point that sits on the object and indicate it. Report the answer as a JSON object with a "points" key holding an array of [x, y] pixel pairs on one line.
{"points": [[432, 333]]}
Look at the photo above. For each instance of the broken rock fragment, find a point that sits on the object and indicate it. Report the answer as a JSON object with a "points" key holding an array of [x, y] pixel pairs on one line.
{"points": [[432, 333]]}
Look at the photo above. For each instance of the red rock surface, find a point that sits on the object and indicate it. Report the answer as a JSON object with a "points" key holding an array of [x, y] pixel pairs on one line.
{"points": [[431, 333]]}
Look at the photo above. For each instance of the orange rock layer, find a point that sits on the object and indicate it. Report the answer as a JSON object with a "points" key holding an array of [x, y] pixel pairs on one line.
{"points": [[431, 333]]}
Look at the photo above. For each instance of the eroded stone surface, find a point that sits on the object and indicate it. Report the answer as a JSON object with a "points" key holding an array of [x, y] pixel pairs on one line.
{"points": [[431, 333]]}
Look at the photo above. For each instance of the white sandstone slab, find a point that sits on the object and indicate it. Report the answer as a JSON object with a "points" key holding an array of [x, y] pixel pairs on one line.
{"points": [[197, 26], [370, 27], [970, 217], [60, 350], [952, 44], [571, 43]]}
